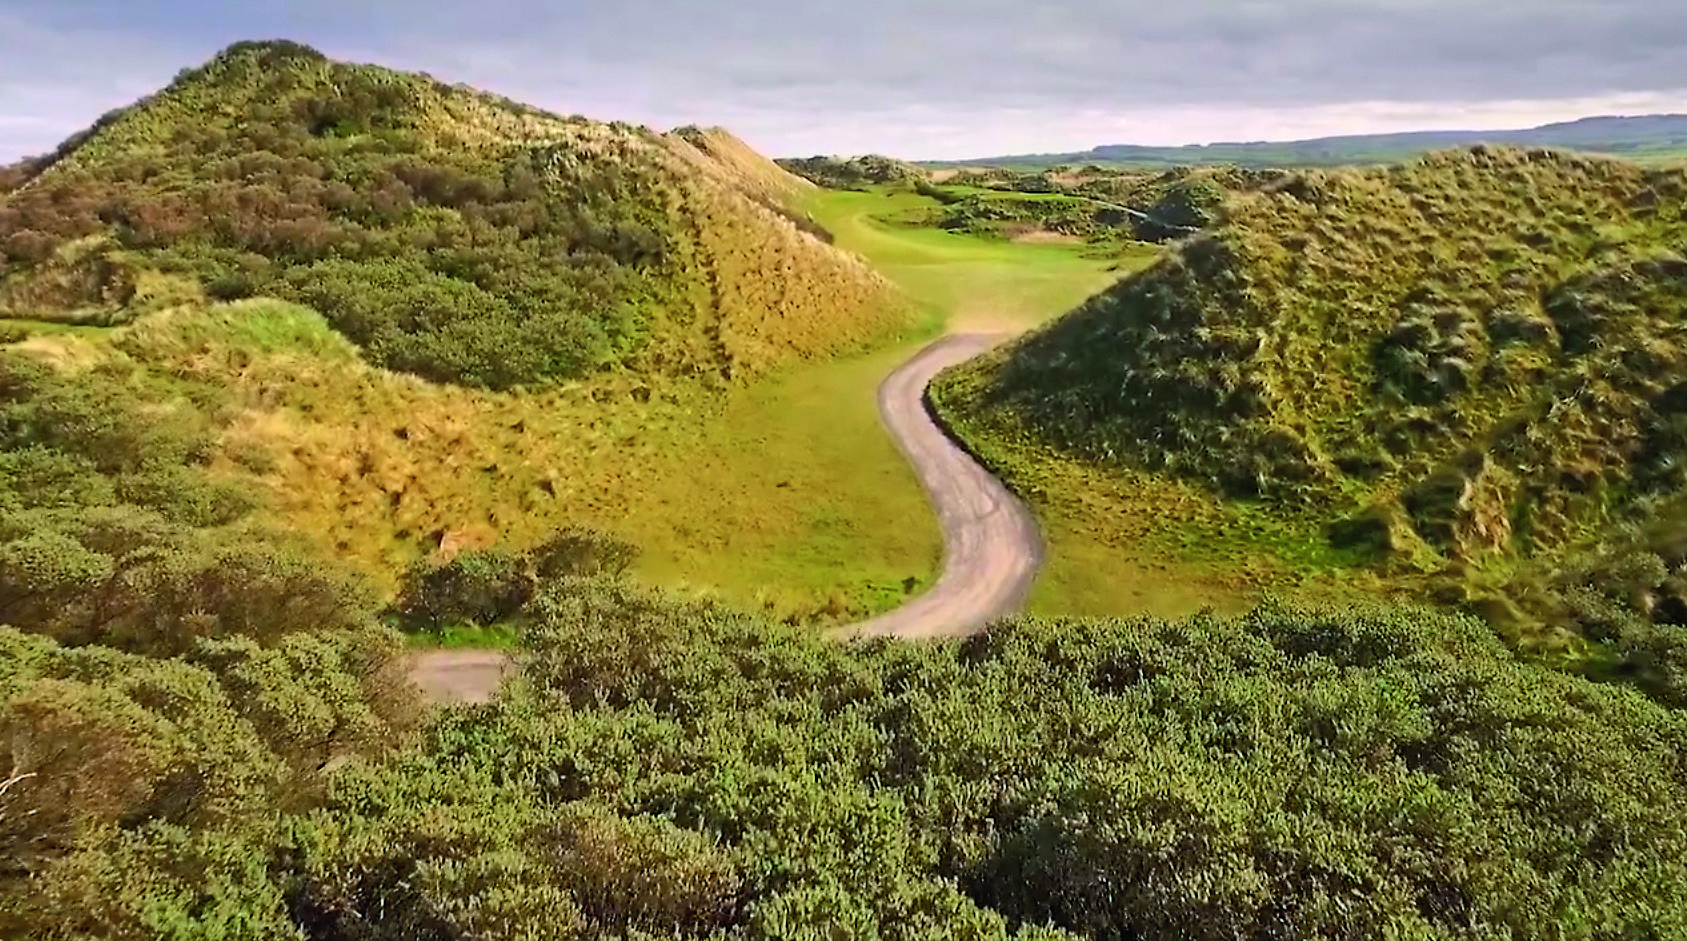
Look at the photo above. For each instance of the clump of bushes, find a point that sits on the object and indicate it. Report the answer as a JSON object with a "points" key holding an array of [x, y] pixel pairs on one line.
{"points": [[673, 769], [111, 534], [484, 587]]}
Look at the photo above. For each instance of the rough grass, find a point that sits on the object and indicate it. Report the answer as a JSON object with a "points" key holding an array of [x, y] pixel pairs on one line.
{"points": [[784, 494], [447, 232], [1462, 364]]}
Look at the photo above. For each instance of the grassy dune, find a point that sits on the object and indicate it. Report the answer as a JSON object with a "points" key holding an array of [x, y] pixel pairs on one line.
{"points": [[1459, 375]]}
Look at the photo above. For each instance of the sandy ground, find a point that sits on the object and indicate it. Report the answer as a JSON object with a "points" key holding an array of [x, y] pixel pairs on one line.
{"points": [[991, 544]]}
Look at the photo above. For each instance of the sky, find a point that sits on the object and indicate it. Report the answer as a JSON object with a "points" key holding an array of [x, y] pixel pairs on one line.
{"points": [[919, 79]]}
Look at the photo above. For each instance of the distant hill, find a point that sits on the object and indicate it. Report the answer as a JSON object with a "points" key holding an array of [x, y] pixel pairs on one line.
{"points": [[1460, 364], [1632, 136], [852, 172], [447, 232]]}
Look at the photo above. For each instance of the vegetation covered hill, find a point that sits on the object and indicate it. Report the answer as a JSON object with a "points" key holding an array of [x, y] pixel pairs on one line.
{"points": [[412, 317], [449, 233], [1662, 136], [852, 172], [1461, 363], [1094, 203]]}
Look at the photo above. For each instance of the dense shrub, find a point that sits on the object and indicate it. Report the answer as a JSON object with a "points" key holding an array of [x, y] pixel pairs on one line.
{"points": [[482, 587], [109, 533], [674, 769]]}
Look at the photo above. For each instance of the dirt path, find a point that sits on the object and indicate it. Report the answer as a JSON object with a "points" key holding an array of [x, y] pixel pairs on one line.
{"points": [[990, 540], [991, 547]]}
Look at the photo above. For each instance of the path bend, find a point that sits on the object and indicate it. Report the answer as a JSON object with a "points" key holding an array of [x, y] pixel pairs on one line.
{"points": [[991, 546]]}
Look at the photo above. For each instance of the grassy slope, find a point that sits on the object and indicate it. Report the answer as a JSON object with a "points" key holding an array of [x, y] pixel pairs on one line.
{"points": [[448, 232], [1469, 354]]}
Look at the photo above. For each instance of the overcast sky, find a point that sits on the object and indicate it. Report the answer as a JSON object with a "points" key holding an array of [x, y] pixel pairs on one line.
{"points": [[913, 78]]}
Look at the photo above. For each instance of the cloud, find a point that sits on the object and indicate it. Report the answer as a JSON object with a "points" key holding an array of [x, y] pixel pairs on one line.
{"points": [[917, 77]]}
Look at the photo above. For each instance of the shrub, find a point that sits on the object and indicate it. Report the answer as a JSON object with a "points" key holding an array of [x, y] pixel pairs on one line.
{"points": [[483, 587]]}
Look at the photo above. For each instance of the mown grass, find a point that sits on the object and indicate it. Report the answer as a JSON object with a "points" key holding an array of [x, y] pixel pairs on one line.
{"points": [[976, 284]]}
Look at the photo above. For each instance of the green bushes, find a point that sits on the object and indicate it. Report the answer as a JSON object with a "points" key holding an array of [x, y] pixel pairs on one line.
{"points": [[144, 796], [110, 535], [1283, 775], [484, 587], [671, 768]]}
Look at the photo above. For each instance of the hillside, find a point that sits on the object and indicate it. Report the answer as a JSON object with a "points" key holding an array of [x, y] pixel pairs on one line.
{"points": [[1095, 203], [414, 318], [1662, 135], [1458, 364], [447, 232]]}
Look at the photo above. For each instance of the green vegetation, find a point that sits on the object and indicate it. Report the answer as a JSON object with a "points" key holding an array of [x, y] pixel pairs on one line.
{"points": [[855, 173], [782, 495], [668, 769], [448, 233], [111, 532], [1110, 208], [1457, 375], [773, 492], [209, 733], [1643, 138]]}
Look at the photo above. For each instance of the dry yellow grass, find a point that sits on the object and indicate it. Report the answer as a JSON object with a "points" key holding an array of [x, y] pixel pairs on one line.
{"points": [[774, 494]]}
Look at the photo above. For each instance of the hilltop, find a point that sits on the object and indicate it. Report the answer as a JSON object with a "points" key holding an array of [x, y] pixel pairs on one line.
{"points": [[446, 231], [1456, 365], [1635, 136]]}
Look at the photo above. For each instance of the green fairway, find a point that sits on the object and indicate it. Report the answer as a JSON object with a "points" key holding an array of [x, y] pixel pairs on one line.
{"points": [[976, 283]]}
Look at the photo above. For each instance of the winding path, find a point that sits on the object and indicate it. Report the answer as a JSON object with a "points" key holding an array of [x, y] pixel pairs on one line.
{"points": [[991, 546]]}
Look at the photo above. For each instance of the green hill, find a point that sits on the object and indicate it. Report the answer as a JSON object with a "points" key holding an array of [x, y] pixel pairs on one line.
{"points": [[852, 172], [414, 317], [448, 232], [1648, 136], [1460, 364]]}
